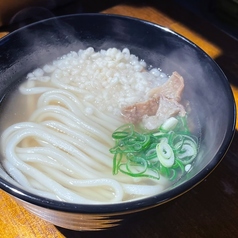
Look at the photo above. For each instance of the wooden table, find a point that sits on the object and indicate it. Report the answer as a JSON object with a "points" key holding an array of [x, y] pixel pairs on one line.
{"points": [[210, 209]]}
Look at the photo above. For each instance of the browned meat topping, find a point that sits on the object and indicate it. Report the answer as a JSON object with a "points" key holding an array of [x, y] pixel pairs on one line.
{"points": [[134, 113], [162, 103], [167, 108], [172, 88]]}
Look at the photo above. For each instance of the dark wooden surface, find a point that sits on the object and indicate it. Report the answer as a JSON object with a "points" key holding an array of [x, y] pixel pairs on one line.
{"points": [[208, 210]]}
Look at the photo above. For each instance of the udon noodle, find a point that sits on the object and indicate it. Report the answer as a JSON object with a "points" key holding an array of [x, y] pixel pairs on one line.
{"points": [[62, 150]]}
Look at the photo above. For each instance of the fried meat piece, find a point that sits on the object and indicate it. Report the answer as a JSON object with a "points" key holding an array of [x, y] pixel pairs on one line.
{"points": [[171, 90], [167, 108]]}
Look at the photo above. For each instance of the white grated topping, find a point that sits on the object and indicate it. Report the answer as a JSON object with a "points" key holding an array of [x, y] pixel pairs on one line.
{"points": [[113, 78]]}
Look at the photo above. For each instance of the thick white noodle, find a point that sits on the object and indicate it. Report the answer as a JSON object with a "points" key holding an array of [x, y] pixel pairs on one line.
{"points": [[45, 179]]}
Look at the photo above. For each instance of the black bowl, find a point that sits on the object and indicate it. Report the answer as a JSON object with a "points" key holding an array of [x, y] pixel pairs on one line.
{"points": [[207, 89]]}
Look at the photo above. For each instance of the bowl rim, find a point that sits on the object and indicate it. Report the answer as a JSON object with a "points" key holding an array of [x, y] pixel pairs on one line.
{"points": [[140, 204]]}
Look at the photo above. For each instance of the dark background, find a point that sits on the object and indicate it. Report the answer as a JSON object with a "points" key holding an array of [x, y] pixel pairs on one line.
{"points": [[221, 13]]}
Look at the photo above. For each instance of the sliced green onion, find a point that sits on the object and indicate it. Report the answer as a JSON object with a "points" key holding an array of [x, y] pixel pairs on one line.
{"points": [[169, 124], [173, 174], [151, 154], [165, 154], [136, 166], [123, 131], [187, 167], [169, 151], [153, 174], [188, 151], [179, 165]]}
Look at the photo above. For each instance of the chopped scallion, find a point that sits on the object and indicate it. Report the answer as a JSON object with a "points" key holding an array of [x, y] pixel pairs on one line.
{"points": [[168, 151]]}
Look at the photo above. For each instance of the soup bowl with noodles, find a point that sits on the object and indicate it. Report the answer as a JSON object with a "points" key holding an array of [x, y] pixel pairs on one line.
{"points": [[103, 116]]}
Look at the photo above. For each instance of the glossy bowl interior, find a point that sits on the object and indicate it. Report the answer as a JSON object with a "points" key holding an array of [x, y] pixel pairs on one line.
{"points": [[207, 89]]}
